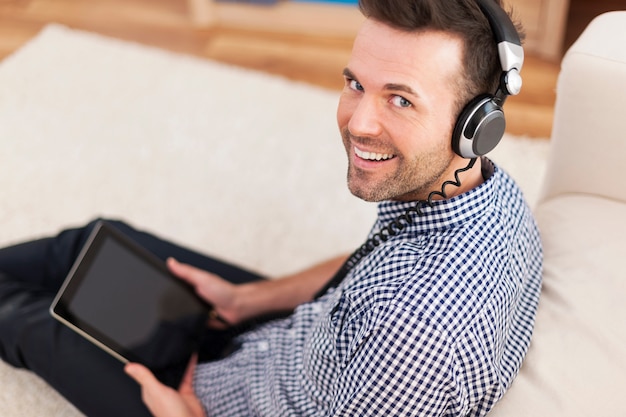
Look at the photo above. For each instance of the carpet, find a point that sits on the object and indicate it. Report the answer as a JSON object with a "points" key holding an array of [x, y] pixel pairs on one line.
{"points": [[239, 164]]}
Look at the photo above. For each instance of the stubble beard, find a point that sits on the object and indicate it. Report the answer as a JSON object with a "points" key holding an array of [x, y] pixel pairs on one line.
{"points": [[414, 179]]}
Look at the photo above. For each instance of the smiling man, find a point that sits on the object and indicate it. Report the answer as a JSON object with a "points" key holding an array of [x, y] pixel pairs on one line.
{"points": [[432, 316]]}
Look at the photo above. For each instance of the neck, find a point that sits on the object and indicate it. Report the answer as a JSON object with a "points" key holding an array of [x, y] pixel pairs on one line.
{"points": [[468, 178]]}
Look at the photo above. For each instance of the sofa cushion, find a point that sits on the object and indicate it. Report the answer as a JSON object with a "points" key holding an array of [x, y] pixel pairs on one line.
{"points": [[576, 365], [588, 136]]}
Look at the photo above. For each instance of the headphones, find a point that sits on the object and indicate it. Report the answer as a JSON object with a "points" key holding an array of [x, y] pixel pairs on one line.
{"points": [[481, 124]]}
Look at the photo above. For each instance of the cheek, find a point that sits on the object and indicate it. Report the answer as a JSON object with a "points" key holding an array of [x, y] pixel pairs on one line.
{"points": [[415, 138], [434, 128], [344, 111]]}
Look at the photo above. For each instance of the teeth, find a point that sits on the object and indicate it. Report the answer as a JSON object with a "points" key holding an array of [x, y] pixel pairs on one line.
{"points": [[371, 156]]}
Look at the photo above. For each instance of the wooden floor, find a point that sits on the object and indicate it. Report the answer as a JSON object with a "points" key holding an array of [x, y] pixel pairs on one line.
{"points": [[313, 58]]}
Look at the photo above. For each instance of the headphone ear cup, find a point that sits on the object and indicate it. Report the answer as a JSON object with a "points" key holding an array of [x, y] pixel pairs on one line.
{"points": [[479, 128]]}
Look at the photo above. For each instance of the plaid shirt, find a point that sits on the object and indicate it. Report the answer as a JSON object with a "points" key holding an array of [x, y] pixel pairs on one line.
{"points": [[434, 322]]}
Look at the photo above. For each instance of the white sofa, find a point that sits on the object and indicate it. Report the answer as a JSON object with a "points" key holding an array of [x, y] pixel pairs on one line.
{"points": [[576, 365]]}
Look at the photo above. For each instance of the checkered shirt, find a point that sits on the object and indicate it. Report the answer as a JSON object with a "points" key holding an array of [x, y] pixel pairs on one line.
{"points": [[434, 322]]}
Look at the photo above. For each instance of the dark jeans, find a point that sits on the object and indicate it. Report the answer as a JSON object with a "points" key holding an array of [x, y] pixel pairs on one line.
{"points": [[31, 274]]}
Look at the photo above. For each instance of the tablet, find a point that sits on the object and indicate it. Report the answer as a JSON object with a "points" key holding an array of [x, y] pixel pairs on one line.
{"points": [[124, 299]]}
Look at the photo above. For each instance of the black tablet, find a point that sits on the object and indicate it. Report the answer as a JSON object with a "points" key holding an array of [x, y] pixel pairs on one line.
{"points": [[124, 299]]}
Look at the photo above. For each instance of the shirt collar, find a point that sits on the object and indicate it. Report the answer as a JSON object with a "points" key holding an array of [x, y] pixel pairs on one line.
{"points": [[445, 213]]}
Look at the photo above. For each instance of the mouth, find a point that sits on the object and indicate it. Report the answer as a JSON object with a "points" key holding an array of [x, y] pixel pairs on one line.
{"points": [[372, 156]]}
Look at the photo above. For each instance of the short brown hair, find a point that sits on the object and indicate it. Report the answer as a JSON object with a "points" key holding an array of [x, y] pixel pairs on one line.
{"points": [[463, 18]]}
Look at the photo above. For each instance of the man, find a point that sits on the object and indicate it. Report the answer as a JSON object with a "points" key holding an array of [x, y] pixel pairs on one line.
{"points": [[432, 316]]}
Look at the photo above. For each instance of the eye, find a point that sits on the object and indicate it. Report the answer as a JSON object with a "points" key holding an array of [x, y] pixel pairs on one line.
{"points": [[355, 85], [400, 101]]}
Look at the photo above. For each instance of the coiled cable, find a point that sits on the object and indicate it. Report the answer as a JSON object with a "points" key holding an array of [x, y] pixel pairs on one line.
{"points": [[392, 229]]}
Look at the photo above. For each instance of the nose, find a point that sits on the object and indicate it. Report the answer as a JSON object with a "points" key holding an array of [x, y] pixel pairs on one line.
{"points": [[365, 119]]}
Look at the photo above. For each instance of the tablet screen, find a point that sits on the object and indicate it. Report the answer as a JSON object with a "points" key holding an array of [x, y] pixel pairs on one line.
{"points": [[126, 301]]}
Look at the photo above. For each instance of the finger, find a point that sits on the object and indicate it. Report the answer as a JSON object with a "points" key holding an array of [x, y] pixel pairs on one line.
{"points": [[196, 277], [184, 271], [186, 383], [203, 281], [141, 374], [210, 287], [186, 389]]}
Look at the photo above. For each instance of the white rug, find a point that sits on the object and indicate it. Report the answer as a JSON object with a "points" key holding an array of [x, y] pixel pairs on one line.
{"points": [[235, 163]]}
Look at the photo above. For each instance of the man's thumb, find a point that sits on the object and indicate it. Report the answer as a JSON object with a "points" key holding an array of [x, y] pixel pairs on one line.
{"points": [[140, 374]]}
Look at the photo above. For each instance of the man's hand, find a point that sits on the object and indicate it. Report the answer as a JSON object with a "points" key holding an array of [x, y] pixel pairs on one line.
{"points": [[221, 294], [235, 304], [163, 401]]}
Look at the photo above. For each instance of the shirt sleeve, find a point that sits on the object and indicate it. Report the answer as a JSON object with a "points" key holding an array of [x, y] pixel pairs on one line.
{"points": [[403, 367]]}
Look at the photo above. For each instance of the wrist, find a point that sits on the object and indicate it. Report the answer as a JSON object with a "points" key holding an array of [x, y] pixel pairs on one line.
{"points": [[249, 301], [262, 298]]}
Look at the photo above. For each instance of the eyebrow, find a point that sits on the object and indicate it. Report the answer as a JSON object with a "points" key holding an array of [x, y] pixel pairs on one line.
{"points": [[389, 86]]}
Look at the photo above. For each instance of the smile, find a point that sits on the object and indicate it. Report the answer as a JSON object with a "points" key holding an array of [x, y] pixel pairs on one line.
{"points": [[372, 156]]}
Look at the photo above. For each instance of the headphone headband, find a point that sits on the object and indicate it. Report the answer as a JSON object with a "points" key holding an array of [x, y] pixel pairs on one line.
{"points": [[502, 32], [481, 124], [510, 48]]}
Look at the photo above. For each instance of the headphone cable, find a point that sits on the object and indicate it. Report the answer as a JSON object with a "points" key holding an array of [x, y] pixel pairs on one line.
{"points": [[392, 229]]}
